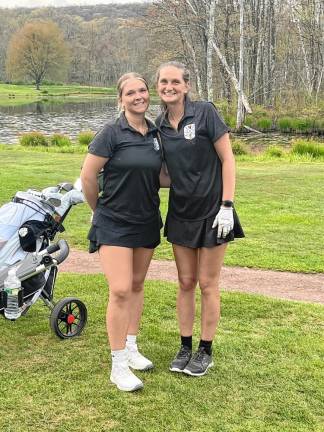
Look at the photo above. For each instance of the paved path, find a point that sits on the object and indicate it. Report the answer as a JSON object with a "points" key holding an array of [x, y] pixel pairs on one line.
{"points": [[285, 285]]}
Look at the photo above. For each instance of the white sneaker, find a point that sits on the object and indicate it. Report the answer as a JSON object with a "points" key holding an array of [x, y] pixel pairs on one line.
{"points": [[124, 378], [137, 361]]}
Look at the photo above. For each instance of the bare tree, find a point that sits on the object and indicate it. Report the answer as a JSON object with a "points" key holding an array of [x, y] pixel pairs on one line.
{"points": [[37, 51]]}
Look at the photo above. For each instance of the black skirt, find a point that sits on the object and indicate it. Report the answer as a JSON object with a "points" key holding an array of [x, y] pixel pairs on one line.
{"points": [[107, 231], [197, 234]]}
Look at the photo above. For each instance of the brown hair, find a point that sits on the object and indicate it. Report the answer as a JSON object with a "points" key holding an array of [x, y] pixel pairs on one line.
{"points": [[122, 80], [176, 64]]}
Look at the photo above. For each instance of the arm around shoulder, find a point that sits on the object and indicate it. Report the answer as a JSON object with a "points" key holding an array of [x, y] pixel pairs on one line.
{"points": [[165, 180]]}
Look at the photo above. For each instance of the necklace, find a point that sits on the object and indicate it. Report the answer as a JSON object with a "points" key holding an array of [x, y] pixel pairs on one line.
{"points": [[176, 117], [142, 129]]}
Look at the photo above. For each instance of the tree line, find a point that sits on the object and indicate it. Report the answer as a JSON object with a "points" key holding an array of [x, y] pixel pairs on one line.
{"points": [[243, 51]]}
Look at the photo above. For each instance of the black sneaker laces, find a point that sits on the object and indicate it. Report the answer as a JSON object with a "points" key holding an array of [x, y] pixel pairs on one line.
{"points": [[199, 355], [183, 352]]}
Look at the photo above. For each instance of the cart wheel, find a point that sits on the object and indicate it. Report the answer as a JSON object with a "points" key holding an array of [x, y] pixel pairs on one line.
{"points": [[68, 317]]}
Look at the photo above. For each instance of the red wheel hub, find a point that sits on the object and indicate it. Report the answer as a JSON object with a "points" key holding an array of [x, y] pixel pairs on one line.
{"points": [[70, 319]]}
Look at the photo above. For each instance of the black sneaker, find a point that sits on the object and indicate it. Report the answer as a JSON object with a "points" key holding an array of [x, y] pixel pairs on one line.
{"points": [[181, 359], [199, 364]]}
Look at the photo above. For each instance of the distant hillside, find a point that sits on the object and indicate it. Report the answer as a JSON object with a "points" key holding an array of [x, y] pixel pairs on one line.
{"points": [[100, 52], [129, 10], [113, 11]]}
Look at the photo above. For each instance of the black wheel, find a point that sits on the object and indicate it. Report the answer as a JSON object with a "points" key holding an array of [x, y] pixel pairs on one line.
{"points": [[68, 317]]}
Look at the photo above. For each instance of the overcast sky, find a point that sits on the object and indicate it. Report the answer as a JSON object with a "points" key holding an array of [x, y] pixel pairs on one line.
{"points": [[58, 3]]}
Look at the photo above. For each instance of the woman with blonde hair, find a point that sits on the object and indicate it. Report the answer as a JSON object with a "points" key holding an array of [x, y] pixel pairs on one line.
{"points": [[126, 221]]}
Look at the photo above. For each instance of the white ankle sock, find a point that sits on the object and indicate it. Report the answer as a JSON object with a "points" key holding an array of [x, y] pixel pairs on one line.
{"points": [[118, 356], [131, 341]]}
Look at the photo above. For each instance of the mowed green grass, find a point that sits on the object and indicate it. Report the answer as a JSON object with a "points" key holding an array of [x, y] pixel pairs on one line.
{"points": [[268, 373], [280, 204], [11, 94]]}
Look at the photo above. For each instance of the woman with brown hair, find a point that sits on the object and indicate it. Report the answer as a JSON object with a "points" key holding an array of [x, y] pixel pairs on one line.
{"points": [[201, 218]]}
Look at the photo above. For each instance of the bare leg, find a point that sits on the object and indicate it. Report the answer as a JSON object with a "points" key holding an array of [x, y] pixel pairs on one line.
{"points": [[141, 261], [210, 264], [187, 265], [117, 265]]}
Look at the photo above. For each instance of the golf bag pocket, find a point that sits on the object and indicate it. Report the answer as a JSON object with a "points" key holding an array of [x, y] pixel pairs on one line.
{"points": [[32, 233]]}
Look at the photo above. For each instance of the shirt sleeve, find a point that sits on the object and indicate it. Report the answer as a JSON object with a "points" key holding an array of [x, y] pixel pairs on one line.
{"points": [[104, 142], [215, 124]]}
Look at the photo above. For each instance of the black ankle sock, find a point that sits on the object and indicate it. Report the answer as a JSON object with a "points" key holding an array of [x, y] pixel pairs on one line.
{"points": [[186, 341], [207, 345]]}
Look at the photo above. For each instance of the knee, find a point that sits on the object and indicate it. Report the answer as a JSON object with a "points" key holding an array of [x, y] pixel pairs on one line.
{"points": [[208, 285], [119, 294], [138, 285], [187, 283]]}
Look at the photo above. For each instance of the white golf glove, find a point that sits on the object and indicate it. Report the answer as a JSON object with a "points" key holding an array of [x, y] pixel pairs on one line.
{"points": [[224, 220], [77, 185]]}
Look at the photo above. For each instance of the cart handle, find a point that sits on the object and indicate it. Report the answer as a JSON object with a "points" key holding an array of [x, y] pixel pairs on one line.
{"points": [[61, 246]]}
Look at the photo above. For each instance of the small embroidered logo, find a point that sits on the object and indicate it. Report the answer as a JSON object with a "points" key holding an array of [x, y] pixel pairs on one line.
{"points": [[23, 232], [189, 131], [156, 144]]}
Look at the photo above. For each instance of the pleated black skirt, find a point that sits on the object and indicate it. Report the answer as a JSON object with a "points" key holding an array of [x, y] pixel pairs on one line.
{"points": [[107, 231], [197, 234]]}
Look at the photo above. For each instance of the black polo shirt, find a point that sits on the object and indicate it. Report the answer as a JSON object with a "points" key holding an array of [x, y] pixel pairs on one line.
{"points": [[193, 164], [131, 175]]}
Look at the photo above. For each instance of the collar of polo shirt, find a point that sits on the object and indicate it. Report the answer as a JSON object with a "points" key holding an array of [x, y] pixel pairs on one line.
{"points": [[124, 123], [189, 111]]}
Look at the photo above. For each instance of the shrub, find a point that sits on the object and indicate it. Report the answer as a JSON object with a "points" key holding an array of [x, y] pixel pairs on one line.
{"points": [[85, 137], [259, 112], [310, 148], [60, 140], [285, 124], [33, 139], [222, 106], [230, 121], [274, 151], [248, 121], [264, 124], [319, 126], [239, 148], [303, 125]]}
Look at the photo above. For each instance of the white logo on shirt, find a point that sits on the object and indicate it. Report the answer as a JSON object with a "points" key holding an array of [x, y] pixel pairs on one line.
{"points": [[156, 144], [189, 131]]}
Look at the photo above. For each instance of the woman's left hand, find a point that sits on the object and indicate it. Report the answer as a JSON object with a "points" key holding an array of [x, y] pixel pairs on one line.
{"points": [[225, 221]]}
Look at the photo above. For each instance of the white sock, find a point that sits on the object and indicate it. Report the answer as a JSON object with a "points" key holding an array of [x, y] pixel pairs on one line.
{"points": [[131, 341], [118, 356]]}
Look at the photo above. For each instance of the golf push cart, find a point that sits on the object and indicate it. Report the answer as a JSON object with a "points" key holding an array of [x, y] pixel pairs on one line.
{"points": [[28, 226]]}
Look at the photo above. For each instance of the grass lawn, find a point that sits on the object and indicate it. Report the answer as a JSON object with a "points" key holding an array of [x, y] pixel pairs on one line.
{"points": [[11, 94], [280, 203], [268, 373]]}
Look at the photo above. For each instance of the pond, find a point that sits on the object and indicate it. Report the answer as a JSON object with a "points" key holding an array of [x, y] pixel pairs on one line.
{"points": [[70, 118]]}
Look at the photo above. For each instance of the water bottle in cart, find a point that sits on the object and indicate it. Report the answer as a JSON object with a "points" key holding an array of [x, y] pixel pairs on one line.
{"points": [[12, 286]]}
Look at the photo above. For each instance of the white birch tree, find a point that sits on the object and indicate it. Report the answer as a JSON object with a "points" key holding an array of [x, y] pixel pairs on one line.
{"points": [[209, 54], [240, 107]]}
